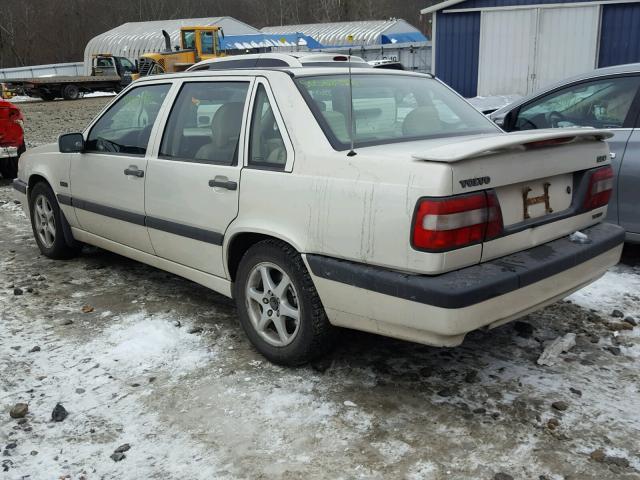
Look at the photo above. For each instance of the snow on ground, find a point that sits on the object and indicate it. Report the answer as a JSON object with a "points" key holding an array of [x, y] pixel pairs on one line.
{"points": [[618, 288], [99, 94], [24, 98], [96, 382]]}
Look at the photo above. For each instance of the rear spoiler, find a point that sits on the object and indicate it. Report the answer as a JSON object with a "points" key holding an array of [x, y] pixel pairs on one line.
{"points": [[487, 144]]}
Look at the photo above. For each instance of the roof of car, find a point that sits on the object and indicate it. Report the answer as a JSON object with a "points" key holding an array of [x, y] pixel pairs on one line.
{"points": [[599, 72], [291, 59], [290, 71]]}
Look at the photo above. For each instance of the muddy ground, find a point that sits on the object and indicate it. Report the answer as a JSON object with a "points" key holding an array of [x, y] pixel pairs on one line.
{"points": [[159, 363]]}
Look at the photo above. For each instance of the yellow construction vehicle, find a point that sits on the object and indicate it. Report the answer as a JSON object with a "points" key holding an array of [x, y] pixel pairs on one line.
{"points": [[196, 43]]}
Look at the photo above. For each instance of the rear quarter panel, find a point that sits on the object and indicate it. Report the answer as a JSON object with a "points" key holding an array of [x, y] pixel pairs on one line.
{"points": [[358, 208]]}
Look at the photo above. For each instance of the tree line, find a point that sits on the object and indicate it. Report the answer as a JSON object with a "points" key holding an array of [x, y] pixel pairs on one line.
{"points": [[34, 32]]}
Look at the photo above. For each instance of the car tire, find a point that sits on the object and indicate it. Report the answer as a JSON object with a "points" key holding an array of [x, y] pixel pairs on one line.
{"points": [[47, 224], [267, 309], [71, 92]]}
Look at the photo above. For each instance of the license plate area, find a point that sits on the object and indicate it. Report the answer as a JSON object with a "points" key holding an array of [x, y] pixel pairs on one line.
{"points": [[535, 199], [528, 201]]}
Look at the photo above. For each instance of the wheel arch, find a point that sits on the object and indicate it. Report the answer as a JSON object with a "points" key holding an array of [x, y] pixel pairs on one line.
{"points": [[36, 178], [240, 242]]}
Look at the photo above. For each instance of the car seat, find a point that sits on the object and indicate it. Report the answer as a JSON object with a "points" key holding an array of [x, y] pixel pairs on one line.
{"points": [[225, 133]]}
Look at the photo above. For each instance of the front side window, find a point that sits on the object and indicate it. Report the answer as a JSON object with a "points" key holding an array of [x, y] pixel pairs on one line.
{"points": [[389, 108], [266, 146], [188, 39], [205, 123], [125, 128], [601, 103]]}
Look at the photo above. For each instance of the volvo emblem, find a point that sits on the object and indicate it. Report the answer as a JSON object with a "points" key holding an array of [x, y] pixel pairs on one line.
{"points": [[475, 182]]}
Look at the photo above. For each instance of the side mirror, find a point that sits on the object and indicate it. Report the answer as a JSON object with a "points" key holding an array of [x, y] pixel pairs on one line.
{"points": [[71, 143], [503, 121]]}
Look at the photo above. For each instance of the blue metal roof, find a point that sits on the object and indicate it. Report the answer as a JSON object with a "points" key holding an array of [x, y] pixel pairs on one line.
{"points": [[403, 37], [266, 40]]}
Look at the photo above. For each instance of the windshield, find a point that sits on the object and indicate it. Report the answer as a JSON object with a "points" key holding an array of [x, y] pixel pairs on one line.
{"points": [[389, 108]]}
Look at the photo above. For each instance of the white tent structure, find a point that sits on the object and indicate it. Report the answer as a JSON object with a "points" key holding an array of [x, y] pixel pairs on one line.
{"points": [[393, 39], [135, 38], [364, 33]]}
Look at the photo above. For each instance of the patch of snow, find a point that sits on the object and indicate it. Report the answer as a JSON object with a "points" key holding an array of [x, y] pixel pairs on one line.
{"points": [[485, 104], [612, 291], [422, 470], [135, 344], [579, 237], [92, 381], [99, 94], [392, 451], [23, 98]]}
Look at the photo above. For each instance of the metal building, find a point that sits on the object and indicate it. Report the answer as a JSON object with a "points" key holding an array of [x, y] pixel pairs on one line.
{"points": [[135, 38], [393, 39], [499, 47]]}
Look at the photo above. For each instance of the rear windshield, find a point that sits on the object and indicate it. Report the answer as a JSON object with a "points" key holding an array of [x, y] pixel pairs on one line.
{"points": [[389, 108]]}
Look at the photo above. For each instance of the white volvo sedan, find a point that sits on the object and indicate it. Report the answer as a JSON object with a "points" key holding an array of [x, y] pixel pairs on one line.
{"points": [[380, 201]]}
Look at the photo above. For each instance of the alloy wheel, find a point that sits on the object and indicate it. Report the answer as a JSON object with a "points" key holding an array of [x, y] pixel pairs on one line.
{"points": [[45, 221], [272, 304]]}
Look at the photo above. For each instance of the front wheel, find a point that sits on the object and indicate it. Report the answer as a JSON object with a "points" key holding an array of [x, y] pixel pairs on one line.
{"points": [[278, 305], [46, 222]]}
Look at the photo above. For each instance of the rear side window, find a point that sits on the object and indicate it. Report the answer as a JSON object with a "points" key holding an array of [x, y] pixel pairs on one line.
{"points": [[205, 123], [125, 128], [603, 103], [388, 108], [266, 146]]}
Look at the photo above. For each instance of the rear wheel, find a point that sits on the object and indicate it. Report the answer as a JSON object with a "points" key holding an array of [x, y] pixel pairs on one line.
{"points": [[278, 305], [47, 97], [71, 92], [46, 222]]}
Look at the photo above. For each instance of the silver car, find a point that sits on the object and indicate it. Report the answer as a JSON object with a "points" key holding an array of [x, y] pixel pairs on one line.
{"points": [[604, 98]]}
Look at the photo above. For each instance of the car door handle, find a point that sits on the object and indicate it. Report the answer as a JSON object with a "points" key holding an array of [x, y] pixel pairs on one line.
{"points": [[223, 182], [134, 171]]}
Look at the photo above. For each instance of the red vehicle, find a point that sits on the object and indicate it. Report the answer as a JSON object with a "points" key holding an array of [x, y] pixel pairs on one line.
{"points": [[11, 138]]}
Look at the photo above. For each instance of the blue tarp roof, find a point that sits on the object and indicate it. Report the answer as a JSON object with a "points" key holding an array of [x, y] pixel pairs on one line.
{"points": [[406, 37], [263, 40]]}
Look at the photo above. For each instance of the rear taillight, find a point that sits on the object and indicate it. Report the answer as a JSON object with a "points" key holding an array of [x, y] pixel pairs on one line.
{"points": [[600, 188], [442, 224]]}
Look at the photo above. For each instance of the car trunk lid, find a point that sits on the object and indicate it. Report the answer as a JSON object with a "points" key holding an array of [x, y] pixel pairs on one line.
{"points": [[539, 178]]}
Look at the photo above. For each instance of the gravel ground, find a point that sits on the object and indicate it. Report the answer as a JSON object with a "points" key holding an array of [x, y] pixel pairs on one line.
{"points": [[141, 357]]}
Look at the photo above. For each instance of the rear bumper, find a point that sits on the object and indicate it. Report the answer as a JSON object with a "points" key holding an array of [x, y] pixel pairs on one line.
{"points": [[441, 309], [8, 152]]}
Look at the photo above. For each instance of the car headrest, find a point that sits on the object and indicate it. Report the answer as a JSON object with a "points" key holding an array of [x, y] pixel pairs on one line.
{"points": [[226, 124]]}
